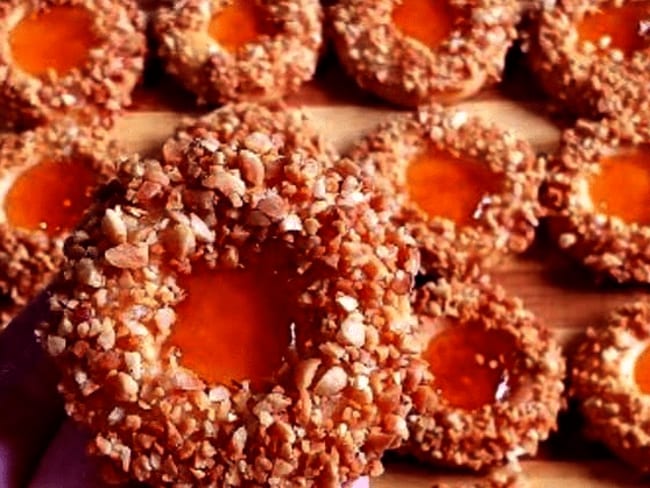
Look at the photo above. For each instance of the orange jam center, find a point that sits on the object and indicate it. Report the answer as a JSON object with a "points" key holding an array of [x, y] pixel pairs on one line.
{"points": [[50, 196], [642, 371], [443, 185], [427, 21], [240, 23], [234, 325], [471, 366], [59, 39], [625, 26], [622, 187]]}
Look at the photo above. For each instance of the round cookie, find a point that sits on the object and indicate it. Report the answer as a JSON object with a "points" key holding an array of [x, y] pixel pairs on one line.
{"points": [[466, 189], [492, 377], [593, 56], [414, 52], [609, 378], [251, 194], [236, 50], [597, 194], [87, 60], [47, 180]]}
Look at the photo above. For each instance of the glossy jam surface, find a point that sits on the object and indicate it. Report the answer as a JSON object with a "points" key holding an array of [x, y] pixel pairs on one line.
{"points": [[59, 39], [622, 188], [51, 196], [472, 367], [428, 21], [642, 371], [238, 24], [625, 26], [234, 325], [443, 185]]}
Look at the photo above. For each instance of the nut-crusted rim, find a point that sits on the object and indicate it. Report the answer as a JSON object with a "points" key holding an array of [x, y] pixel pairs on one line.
{"points": [[267, 69], [602, 242], [232, 183], [590, 79], [508, 219], [602, 379], [29, 259], [97, 90], [404, 71], [446, 435]]}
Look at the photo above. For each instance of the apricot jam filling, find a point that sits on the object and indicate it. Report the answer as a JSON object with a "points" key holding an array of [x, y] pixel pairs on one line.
{"points": [[642, 371], [50, 196], [624, 26], [622, 188], [472, 367], [234, 325], [240, 23], [444, 185], [58, 39], [427, 21]]}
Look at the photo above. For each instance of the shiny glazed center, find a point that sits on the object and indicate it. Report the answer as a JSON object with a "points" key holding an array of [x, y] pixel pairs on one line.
{"points": [[642, 371], [443, 185], [625, 26], [50, 196], [238, 24], [58, 39], [233, 325], [622, 188], [472, 366], [427, 21]]}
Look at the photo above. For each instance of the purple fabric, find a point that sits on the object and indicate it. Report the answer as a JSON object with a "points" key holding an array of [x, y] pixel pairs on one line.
{"points": [[30, 408], [363, 482]]}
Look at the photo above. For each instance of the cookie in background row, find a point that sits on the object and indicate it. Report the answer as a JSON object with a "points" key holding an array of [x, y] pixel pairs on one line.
{"points": [[48, 178], [79, 58], [240, 50], [593, 56], [465, 188], [610, 379], [598, 196], [413, 52], [492, 380]]}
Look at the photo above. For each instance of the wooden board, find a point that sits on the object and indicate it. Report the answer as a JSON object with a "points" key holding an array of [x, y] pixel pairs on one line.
{"points": [[561, 293]]}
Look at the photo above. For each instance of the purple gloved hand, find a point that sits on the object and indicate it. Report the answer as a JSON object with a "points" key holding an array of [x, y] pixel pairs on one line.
{"points": [[39, 448]]}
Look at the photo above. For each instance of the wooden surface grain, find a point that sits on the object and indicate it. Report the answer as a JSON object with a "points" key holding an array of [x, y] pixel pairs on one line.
{"points": [[560, 292]]}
